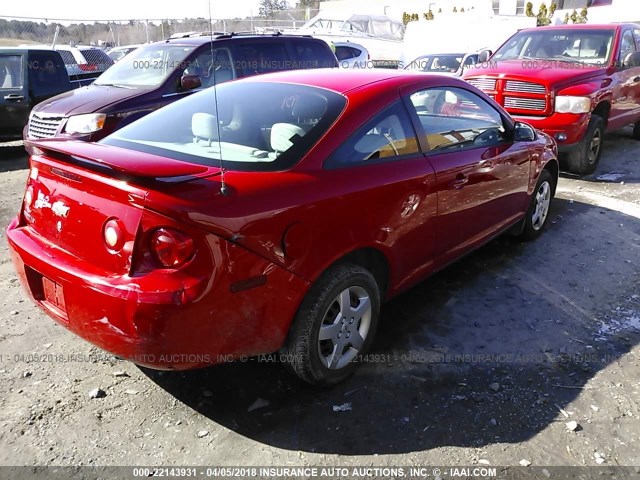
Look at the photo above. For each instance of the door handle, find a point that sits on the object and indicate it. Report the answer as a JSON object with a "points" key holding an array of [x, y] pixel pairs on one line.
{"points": [[460, 181], [636, 80], [486, 164], [13, 96]]}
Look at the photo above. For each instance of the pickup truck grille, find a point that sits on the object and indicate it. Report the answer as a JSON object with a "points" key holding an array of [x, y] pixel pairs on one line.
{"points": [[43, 127], [534, 104], [484, 84], [516, 96], [524, 87]]}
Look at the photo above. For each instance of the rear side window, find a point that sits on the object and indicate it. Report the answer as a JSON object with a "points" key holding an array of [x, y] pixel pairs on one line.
{"points": [[314, 54], [96, 56], [345, 53], [260, 57], [47, 74], [11, 71], [388, 136]]}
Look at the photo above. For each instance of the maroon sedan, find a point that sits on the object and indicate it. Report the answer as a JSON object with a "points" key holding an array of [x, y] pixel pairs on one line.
{"points": [[273, 213]]}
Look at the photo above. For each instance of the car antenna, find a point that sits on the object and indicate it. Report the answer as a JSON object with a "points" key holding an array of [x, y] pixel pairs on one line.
{"points": [[223, 186]]}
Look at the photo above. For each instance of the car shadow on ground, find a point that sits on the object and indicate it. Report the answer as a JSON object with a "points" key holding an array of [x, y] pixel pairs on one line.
{"points": [[12, 157], [484, 352]]}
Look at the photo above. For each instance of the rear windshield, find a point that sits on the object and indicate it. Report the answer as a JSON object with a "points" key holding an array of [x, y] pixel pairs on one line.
{"points": [[257, 126], [96, 56], [592, 47], [67, 57], [147, 66]]}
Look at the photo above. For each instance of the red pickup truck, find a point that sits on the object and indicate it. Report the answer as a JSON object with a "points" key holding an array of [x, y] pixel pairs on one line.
{"points": [[574, 82]]}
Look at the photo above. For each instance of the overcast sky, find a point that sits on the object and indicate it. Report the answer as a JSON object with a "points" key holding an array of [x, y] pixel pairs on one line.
{"points": [[128, 9]]}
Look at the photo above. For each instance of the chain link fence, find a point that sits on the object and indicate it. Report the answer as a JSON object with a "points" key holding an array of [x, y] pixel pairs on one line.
{"points": [[110, 33]]}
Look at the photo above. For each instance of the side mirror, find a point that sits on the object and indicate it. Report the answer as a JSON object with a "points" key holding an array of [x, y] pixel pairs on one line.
{"points": [[189, 82], [632, 60], [523, 133], [484, 56]]}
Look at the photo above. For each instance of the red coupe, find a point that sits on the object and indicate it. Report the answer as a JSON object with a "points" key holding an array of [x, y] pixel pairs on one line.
{"points": [[273, 213]]}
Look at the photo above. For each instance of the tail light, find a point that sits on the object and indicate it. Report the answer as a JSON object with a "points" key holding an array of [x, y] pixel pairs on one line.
{"points": [[170, 247], [88, 67]]}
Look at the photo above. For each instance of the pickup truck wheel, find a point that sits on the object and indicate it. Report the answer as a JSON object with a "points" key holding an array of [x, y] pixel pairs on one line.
{"points": [[584, 159], [334, 326], [537, 215], [636, 131]]}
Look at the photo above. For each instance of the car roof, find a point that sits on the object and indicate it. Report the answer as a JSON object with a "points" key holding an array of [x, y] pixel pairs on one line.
{"points": [[204, 38], [23, 48], [582, 26], [343, 81], [444, 54], [67, 48], [122, 47], [348, 43]]}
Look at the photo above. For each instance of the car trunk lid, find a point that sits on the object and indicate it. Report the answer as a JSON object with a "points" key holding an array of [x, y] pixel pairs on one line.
{"points": [[75, 189]]}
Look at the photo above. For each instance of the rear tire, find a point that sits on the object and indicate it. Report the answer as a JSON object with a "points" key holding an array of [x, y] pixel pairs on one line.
{"points": [[537, 216], [334, 326], [584, 159]]}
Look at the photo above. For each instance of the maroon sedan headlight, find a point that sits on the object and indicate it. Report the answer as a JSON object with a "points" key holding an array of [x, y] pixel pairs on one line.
{"points": [[171, 248]]}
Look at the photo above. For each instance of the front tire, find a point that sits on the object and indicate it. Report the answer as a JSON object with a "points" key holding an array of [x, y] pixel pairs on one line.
{"points": [[584, 159], [636, 131], [537, 216], [335, 324]]}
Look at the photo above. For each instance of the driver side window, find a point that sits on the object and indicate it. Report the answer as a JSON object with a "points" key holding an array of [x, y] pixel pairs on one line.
{"points": [[453, 118], [627, 46]]}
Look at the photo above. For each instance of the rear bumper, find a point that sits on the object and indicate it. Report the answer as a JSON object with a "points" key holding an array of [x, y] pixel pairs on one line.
{"points": [[566, 129], [163, 319]]}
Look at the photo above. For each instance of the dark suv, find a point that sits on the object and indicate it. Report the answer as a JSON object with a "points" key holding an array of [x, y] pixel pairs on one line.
{"points": [[160, 73], [27, 77]]}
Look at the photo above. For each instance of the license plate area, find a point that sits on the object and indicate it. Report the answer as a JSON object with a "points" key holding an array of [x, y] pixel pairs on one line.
{"points": [[53, 294]]}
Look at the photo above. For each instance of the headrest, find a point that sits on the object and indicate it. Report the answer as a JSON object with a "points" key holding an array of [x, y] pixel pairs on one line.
{"points": [[282, 136], [370, 143], [393, 125], [204, 126], [309, 106]]}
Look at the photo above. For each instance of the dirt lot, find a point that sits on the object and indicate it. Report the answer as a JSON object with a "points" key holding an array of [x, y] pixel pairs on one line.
{"points": [[484, 363]]}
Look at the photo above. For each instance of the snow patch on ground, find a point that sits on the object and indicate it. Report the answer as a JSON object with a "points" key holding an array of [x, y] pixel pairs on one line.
{"points": [[626, 321], [611, 177]]}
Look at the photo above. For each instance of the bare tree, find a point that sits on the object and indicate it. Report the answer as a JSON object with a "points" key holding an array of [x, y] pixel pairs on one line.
{"points": [[315, 4], [269, 8]]}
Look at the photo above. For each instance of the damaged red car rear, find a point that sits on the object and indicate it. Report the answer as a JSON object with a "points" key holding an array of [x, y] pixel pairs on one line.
{"points": [[273, 214]]}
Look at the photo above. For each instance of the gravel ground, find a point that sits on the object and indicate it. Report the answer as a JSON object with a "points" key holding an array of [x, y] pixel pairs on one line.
{"points": [[488, 362]]}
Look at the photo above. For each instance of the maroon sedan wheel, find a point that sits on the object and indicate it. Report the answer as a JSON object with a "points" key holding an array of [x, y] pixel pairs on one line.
{"points": [[538, 212]]}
